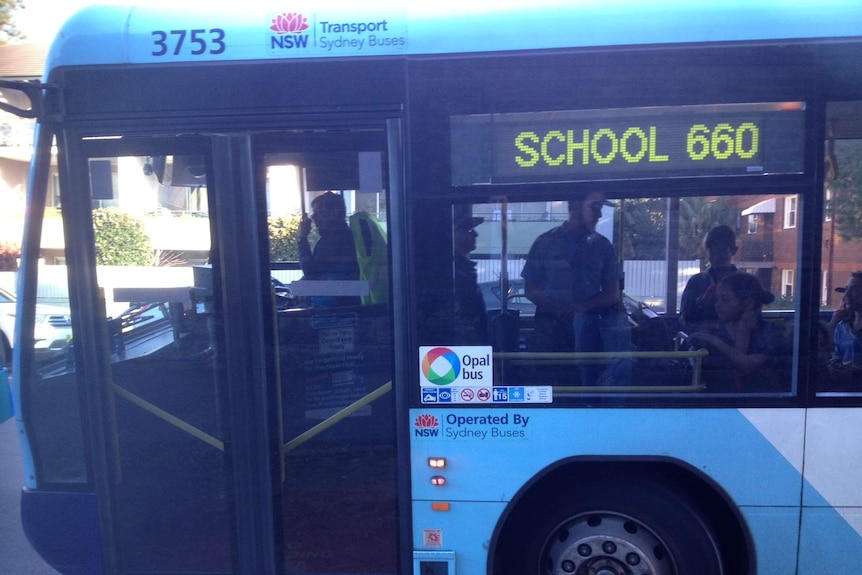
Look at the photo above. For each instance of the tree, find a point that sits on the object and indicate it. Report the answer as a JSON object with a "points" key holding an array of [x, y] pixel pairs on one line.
{"points": [[121, 240], [284, 238], [645, 226], [846, 187], [644, 230], [697, 217], [9, 254], [8, 31]]}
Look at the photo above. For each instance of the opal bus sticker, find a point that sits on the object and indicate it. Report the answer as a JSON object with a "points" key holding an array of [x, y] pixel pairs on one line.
{"points": [[456, 365], [465, 374]]}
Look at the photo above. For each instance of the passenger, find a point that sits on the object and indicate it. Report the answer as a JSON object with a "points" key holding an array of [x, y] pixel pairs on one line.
{"points": [[746, 353], [697, 308], [471, 320], [334, 254], [573, 277], [845, 365]]}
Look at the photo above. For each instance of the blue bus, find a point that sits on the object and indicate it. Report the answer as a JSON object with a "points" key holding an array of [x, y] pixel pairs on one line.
{"points": [[414, 287]]}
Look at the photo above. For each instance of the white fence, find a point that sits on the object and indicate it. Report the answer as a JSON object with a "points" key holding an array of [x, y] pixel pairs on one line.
{"points": [[53, 284], [644, 280]]}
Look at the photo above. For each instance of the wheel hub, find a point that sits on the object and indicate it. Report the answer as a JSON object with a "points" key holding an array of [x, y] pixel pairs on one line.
{"points": [[605, 544]]}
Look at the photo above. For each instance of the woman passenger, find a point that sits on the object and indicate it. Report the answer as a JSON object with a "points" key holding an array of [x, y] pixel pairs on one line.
{"points": [[746, 353]]}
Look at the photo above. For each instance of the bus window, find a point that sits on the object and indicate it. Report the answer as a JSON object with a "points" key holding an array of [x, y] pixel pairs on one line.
{"points": [[329, 260], [641, 341], [838, 366], [60, 461], [164, 334]]}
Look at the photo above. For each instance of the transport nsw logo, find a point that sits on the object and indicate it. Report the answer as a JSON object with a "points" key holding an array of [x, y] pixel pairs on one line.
{"points": [[289, 28], [426, 425], [289, 23]]}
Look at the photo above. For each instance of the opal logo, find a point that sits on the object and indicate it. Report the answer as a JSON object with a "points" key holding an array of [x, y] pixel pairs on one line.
{"points": [[441, 366], [426, 425], [454, 365]]}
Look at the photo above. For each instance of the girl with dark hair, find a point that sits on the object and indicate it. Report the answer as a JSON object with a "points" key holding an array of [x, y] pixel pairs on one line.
{"points": [[746, 353]]}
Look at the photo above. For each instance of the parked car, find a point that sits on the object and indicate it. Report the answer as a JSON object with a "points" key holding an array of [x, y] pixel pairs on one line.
{"points": [[53, 328], [517, 300]]}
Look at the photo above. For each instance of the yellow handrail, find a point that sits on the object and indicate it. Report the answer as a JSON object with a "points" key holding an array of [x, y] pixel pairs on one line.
{"points": [[332, 420], [167, 417]]}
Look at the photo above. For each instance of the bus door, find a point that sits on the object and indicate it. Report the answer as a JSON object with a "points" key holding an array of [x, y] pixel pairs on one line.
{"points": [[328, 200], [236, 410]]}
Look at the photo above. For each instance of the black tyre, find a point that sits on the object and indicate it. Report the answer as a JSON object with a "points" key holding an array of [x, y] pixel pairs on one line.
{"points": [[618, 527], [5, 352]]}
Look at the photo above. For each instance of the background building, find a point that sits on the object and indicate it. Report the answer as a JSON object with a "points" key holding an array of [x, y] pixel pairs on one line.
{"points": [[17, 62]]}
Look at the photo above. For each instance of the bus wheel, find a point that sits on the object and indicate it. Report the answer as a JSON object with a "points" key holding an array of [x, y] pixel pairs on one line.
{"points": [[624, 528]]}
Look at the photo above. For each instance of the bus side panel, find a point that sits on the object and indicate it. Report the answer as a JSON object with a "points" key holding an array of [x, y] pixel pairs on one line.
{"points": [[831, 540], [832, 514], [775, 532], [833, 457], [63, 527], [753, 456], [467, 527]]}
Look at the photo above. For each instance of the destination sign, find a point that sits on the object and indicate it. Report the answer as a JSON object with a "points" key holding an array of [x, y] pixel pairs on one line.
{"points": [[631, 143]]}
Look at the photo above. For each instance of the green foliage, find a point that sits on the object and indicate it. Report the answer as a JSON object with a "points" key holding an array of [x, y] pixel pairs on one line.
{"points": [[697, 217], [8, 31], [284, 238], [121, 240], [9, 254], [846, 203], [645, 228]]}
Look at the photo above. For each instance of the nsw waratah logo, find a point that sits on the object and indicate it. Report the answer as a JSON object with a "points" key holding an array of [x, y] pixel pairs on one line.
{"points": [[289, 23], [441, 366], [426, 421]]}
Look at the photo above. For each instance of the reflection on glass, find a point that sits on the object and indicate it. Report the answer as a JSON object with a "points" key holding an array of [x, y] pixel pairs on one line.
{"points": [[670, 270], [53, 387], [840, 357], [152, 244], [331, 286]]}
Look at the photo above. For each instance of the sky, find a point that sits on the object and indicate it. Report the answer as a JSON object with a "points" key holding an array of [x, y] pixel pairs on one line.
{"points": [[41, 19]]}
